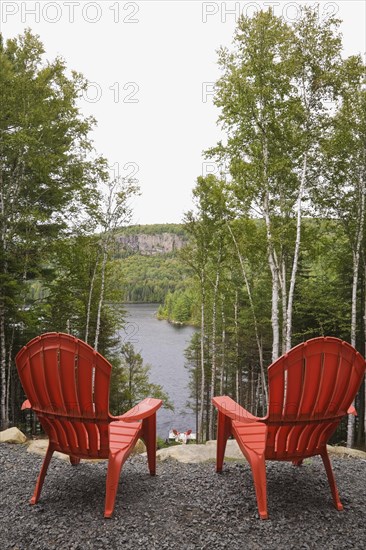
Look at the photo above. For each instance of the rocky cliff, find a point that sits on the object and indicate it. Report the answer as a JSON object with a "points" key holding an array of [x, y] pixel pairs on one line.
{"points": [[150, 245]]}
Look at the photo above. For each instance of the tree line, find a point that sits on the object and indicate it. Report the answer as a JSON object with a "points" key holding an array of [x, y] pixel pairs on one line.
{"points": [[277, 235], [59, 212]]}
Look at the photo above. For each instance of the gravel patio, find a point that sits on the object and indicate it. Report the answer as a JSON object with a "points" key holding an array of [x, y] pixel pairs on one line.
{"points": [[186, 506]]}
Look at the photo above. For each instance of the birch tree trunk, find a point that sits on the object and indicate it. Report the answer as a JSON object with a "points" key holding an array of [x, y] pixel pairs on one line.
{"points": [[213, 350], [272, 260], [237, 382], [356, 261], [296, 257], [275, 288], [101, 295], [223, 343], [202, 392], [4, 411], [3, 408], [90, 297], [9, 369]]}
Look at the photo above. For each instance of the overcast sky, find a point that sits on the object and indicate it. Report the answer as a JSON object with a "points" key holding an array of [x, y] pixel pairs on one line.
{"points": [[151, 65]]}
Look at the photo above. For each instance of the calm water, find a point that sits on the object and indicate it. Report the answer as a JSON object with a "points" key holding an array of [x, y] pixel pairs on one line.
{"points": [[162, 346]]}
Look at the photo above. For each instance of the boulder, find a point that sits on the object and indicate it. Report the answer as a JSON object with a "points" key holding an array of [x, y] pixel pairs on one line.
{"points": [[202, 453], [194, 454], [338, 450], [12, 435], [139, 448], [39, 447]]}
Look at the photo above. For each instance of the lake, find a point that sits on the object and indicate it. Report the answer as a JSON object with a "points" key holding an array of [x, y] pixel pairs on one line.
{"points": [[162, 346]]}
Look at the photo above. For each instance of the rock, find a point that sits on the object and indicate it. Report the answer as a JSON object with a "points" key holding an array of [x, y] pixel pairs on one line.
{"points": [[338, 450], [151, 245], [39, 447], [194, 454], [232, 450], [12, 435], [188, 453], [139, 448]]}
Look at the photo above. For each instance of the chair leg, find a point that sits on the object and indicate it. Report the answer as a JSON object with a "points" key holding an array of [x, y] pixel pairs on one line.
{"points": [[115, 464], [258, 466], [74, 460], [148, 434], [297, 462], [42, 475], [223, 433], [331, 480]]}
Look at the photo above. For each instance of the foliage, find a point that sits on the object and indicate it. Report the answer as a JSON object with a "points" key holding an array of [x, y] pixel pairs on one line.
{"points": [[55, 195], [149, 278], [293, 116], [130, 382]]}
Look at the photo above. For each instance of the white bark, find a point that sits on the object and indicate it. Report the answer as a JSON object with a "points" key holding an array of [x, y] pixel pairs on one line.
{"points": [[223, 343], [213, 350], [356, 263], [296, 257], [9, 367], [91, 289], [202, 393], [3, 408], [237, 381], [272, 260], [275, 285], [101, 294], [283, 286]]}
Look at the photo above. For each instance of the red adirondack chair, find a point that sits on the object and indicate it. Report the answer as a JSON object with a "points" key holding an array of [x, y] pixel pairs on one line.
{"points": [[67, 385], [310, 389]]}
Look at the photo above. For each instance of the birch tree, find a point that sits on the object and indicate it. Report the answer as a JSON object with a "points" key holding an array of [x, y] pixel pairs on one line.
{"points": [[344, 192], [272, 95], [317, 57], [254, 95]]}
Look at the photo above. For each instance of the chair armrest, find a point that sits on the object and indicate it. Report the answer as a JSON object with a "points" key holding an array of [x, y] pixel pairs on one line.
{"points": [[142, 410], [233, 410], [352, 410], [26, 405]]}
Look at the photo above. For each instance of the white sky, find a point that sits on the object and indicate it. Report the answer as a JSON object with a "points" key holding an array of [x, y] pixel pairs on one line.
{"points": [[149, 62]]}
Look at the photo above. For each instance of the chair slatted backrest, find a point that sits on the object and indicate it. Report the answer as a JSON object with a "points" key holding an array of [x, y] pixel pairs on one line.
{"points": [[67, 384], [310, 390]]}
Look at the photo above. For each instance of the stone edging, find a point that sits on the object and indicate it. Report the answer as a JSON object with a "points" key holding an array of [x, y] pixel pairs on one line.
{"points": [[189, 454]]}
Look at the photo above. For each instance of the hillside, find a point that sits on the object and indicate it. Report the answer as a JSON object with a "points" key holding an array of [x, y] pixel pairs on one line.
{"points": [[146, 262]]}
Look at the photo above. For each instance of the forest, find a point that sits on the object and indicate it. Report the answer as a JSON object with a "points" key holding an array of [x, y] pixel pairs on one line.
{"points": [[60, 210], [277, 235], [276, 238]]}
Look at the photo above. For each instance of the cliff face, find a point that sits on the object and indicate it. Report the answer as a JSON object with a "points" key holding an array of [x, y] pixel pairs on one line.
{"points": [[150, 245]]}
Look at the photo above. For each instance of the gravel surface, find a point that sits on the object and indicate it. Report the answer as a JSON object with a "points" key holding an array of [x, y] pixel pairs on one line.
{"points": [[186, 506]]}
